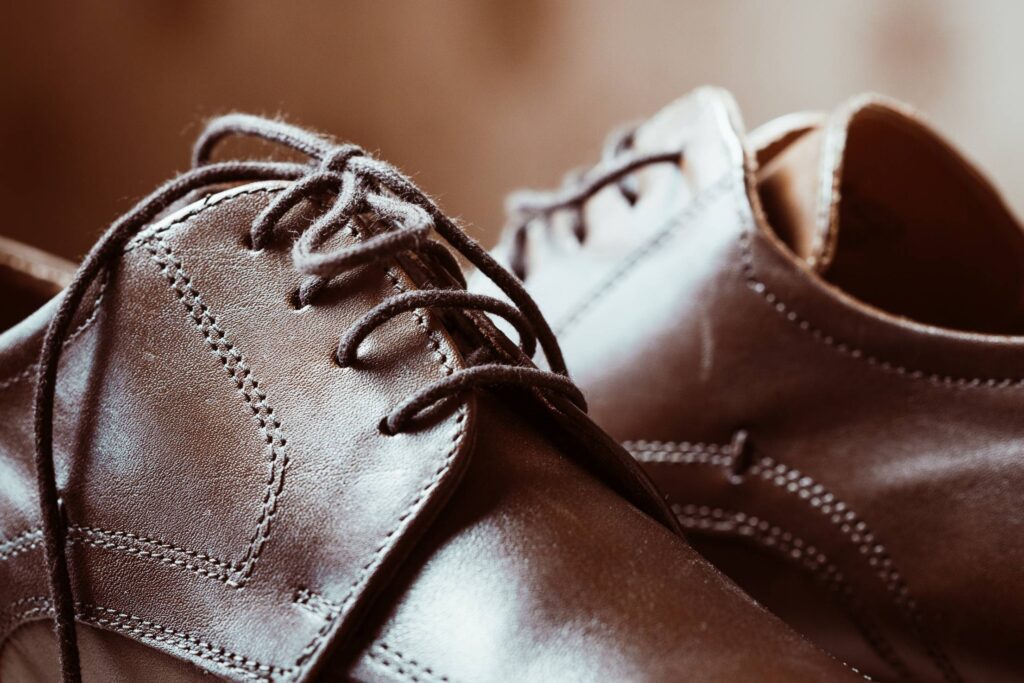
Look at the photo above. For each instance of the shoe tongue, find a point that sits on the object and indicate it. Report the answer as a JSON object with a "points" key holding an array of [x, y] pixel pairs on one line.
{"points": [[882, 206]]}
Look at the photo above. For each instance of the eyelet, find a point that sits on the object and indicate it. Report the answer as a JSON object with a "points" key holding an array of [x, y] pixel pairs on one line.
{"points": [[336, 359], [248, 244], [293, 301]]}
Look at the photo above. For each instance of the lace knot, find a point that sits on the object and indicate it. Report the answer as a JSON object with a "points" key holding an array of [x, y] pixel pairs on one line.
{"points": [[336, 160], [403, 218]]}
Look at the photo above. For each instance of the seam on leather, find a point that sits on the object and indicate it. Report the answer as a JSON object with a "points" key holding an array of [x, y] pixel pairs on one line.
{"points": [[407, 668], [209, 202], [13, 617], [787, 313], [127, 535], [837, 512], [316, 603], [254, 396], [145, 629], [434, 344], [702, 201], [90, 319], [718, 521], [679, 452], [125, 542], [21, 543], [128, 541], [161, 551]]}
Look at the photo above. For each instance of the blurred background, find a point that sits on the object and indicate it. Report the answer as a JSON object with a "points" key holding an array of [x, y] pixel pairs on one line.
{"points": [[474, 98]]}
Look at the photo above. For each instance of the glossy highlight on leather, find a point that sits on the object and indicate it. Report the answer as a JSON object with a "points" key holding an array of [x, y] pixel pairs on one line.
{"points": [[232, 504], [844, 291]]}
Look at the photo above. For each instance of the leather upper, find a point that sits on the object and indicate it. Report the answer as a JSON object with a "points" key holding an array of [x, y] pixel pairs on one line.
{"points": [[856, 469], [234, 507]]}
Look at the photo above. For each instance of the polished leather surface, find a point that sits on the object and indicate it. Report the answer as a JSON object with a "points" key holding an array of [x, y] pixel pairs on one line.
{"points": [[235, 510], [857, 470]]}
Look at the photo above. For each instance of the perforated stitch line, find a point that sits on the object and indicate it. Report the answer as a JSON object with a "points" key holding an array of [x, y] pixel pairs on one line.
{"points": [[149, 630], [238, 371], [128, 543], [433, 344], [407, 668], [856, 530], [22, 543], [424, 670], [704, 200], [848, 350], [195, 565], [316, 603], [706, 519], [129, 537], [839, 515], [684, 453]]}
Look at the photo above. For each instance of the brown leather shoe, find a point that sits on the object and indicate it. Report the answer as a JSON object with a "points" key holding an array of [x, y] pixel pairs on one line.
{"points": [[215, 495], [816, 350]]}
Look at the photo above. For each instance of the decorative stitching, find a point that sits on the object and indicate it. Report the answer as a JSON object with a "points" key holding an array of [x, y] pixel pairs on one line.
{"points": [[161, 551], [21, 376], [406, 667], [705, 519], [825, 502], [130, 537], [125, 542], [146, 629], [856, 530], [434, 344], [22, 543], [13, 618], [93, 314], [100, 293], [682, 453], [185, 642], [703, 200], [208, 203], [849, 350], [206, 322], [239, 372], [316, 603]]}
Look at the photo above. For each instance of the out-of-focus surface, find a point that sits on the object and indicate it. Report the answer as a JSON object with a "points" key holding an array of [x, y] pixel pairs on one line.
{"points": [[100, 101]]}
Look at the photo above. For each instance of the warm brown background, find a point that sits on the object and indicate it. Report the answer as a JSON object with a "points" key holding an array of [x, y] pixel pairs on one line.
{"points": [[101, 99]]}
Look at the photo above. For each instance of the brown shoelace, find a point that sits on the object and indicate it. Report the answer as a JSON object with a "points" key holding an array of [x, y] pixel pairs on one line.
{"points": [[617, 165], [355, 185]]}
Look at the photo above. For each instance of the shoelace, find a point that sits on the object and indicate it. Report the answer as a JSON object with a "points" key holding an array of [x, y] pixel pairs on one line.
{"points": [[360, 186], [618, 163]]}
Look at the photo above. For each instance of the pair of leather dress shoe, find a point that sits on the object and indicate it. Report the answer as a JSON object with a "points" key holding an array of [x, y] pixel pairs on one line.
{"points": [[265, 431]]}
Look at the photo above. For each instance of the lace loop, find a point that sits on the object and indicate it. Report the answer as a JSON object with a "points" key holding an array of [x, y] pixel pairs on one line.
{"points": [[432, 298], [616, 167], [355, 185], [338, 158], [407, 412], [238, 125], [263, 227]]}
